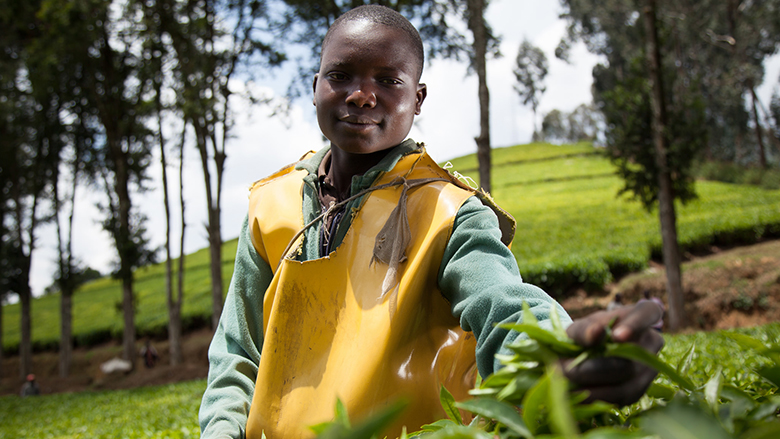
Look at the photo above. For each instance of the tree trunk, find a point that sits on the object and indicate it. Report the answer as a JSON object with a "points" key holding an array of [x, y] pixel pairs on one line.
{"points": [[174, 340], [476, 24], [759, 135], [66, 337], [176, 329], [124, 246], [671, 251], [213, 227], [25, 343]]}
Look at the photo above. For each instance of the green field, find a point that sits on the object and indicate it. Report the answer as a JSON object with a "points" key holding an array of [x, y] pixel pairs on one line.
{"points": [[171, 411], [573, 231]]}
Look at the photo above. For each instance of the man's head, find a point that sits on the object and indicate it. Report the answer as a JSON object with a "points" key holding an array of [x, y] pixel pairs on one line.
{"points": [[367, 91], [385, 16]]}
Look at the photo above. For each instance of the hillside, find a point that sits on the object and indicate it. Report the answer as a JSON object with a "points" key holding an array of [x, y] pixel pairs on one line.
{"points": [[732, 288], [574, 237]]}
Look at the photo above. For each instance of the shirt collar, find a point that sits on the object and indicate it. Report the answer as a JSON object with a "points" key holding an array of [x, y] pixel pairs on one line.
{"points": [[359, 182]]}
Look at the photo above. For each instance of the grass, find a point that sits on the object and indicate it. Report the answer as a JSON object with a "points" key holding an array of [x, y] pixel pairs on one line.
{"points": [[573, 231]]}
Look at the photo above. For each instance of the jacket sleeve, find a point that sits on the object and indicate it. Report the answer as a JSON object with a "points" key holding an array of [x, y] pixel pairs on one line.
{"points": [[234, 353], [480, 278]]}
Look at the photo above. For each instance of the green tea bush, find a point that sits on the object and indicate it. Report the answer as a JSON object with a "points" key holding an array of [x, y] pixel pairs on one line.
{"points": [[153, 412], [697, 394]]}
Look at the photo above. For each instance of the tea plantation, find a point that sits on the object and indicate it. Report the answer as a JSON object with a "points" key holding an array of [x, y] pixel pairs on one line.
{"points": [[728, 394], [573, 231]]}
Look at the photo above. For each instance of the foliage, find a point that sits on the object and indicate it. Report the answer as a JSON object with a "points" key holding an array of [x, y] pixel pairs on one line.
{"points": [[94, 318], [530, 70], [572, 231], [728, 172], [583, 124], [170, 411], [713, 49], [530, 397]]}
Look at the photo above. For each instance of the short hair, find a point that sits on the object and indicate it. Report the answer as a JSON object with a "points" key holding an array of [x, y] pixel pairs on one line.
{"points": [[387, 17]]}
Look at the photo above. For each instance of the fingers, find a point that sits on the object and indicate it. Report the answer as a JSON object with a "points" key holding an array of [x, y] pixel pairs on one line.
{"points": [[597, 372], [628, 392], [640, 317], [630, 323]]}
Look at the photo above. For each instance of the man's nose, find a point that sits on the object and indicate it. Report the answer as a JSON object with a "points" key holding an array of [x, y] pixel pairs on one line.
{"points": [[362, 95]]}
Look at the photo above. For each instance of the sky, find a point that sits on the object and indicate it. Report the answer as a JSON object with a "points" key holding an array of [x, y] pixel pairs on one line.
{"points": [[261, 145]]}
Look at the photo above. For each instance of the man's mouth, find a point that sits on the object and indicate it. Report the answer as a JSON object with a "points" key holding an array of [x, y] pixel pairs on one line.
{"points": [[358, 120]]}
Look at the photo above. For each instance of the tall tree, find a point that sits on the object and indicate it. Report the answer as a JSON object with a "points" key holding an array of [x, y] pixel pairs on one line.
{"points": [[654, 116], [100, 46], [715, 48], [530, 71], [480, 31], [666, 210], [213, 41]]}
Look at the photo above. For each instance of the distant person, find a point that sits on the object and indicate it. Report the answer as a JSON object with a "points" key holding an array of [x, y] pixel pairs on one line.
{"points": [[30, 387], [647, 297], [150, 354], [616, 302]]}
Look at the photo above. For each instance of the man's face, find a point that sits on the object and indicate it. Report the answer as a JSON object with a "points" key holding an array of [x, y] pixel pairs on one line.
{"points": [[367, 90]]}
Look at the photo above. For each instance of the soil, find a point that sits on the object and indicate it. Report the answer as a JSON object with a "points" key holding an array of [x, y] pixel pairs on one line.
{"points": [[731, 288]]}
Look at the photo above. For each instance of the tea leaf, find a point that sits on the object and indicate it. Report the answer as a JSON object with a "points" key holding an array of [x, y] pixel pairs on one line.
{"points": [[712, 389], [679, 421], [342, 417], [561, 418], [534, 403], [771, 374], [500, 411], [637, 353], [685, 362], [764, 431], [448, 404]]}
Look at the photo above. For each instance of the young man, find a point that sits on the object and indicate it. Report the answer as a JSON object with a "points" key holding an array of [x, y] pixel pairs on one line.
{"points": [[366, 272]]}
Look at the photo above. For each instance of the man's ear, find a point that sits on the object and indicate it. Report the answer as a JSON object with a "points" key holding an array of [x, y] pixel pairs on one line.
{"points": [[314, 89], [422, 92]]}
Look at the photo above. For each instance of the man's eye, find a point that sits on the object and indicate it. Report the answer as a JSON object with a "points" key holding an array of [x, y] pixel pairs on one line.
{"points": [[337, 76], [390, 81]]}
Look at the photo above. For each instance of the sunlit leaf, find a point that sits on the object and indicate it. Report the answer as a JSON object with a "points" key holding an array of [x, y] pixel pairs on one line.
{"points": [[679, 421], [685, 362], [502, 412], [528, 316], [534, 403], [459, 432], [712, 389], [561, 418], [745, 341], [660, 391], [448, 404], [342, 417]]}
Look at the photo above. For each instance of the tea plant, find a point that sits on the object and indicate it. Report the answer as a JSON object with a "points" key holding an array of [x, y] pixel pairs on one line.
{"points": [[531, 398]]}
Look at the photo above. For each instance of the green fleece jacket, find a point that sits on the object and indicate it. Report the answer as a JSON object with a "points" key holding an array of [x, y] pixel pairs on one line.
{"points": [[478, 275]]}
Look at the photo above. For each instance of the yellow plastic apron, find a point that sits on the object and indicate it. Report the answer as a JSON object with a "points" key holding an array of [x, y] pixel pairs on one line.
{"points": [[328, 333]]}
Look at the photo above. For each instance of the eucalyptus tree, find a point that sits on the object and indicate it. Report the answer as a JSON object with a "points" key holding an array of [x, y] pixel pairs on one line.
{"points": [[212, 43], [32, 138], [655, 119], [530, 70], [96, 41]]}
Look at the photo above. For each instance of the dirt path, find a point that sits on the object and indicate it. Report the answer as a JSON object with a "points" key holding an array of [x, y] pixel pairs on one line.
{"points": [[727, 289]]}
